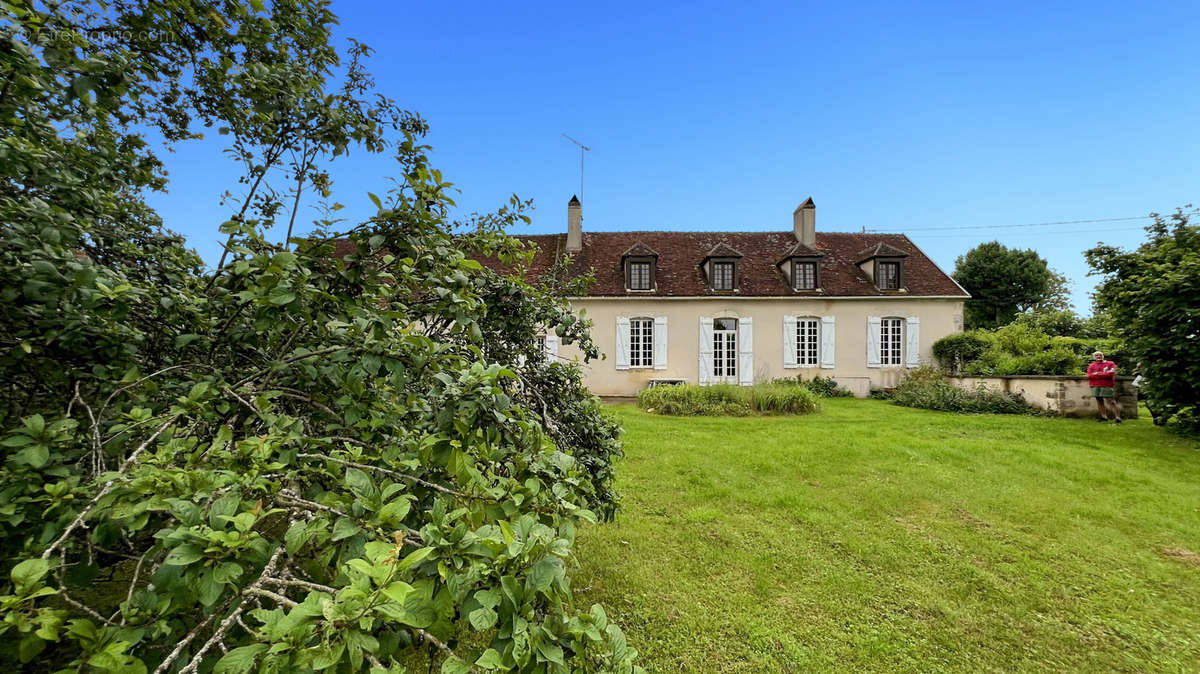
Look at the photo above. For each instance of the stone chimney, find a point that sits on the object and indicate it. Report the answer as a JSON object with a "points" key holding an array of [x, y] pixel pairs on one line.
{"points": [[574, 225], [804, 223]]}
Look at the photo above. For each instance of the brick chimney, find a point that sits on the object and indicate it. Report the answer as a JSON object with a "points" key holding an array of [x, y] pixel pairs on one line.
{"points": [[804, 223], [574, 225]]}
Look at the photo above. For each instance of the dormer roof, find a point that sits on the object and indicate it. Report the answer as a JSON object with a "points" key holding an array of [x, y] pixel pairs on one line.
{"points": [[639, 249], [880, 249], [722, 249], [800, 250]]}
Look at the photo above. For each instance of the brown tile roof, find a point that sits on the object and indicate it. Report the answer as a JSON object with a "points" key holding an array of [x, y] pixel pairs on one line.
{"points": [[681, 253]]}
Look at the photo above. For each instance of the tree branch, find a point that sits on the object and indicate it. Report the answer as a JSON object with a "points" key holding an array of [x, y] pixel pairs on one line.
{"points": [[87, 510]]}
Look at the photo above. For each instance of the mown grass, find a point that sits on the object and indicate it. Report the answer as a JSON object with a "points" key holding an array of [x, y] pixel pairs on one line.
{"points": [[879, 538]]}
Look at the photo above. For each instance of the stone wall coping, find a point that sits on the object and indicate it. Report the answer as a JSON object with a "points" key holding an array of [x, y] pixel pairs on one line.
{"points": [[1076, 377]]}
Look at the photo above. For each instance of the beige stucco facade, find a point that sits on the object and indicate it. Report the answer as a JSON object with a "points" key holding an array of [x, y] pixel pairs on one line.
{"points": [[937, 318]]}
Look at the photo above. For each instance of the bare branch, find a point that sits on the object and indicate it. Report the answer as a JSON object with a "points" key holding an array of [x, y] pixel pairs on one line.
{"points": [[219, 635], [277, 598], [392, 473]]}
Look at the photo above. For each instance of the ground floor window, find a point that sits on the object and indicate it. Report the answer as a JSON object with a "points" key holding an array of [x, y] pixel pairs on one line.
{"points": [[641, 342], [891, 341], [808, 343], [725, 348]]}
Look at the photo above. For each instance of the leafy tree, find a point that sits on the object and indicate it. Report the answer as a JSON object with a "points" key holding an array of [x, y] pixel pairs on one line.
{"points": [[1065, 323], [1152, 296], [1003, 282], [1057, 296], [336, 452]]}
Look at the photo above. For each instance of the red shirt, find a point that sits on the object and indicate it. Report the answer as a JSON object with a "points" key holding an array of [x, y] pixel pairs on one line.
{"points": [[1102, 373]]}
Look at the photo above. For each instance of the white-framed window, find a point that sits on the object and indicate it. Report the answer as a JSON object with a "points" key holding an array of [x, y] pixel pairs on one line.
{"points": [[725, 349], [640, 276], [889, 275], [891, 341], [641, 342], [804, 275], [541, 343], [808, 342], [723, 273]]}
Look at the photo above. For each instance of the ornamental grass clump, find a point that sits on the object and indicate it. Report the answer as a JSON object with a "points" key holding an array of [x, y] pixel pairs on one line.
{"points": [[728, 400]]}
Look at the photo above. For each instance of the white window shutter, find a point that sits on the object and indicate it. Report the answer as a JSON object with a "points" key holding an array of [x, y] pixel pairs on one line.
{"points": [[552, 346], [789, 341], [622, 342], [873, 330], [660, 343], [913, 347], [827, 341], [706, 351], [745, 351]]}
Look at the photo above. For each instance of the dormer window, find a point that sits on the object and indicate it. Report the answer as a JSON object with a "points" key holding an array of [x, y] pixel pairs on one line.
{"points": [[641, 275], [804, 274], [640, 266], [724, 274], [887, 274], [884, 264]]}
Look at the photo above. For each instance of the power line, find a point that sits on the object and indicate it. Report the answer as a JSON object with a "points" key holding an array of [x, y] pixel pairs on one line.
{"points": [[1060, 231], [1032, 224]]}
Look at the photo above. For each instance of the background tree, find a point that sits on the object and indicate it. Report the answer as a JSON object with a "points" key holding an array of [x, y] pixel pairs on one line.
{"points": [[1152, 297], [327, 454], [1003, 282], [1057, 296]]}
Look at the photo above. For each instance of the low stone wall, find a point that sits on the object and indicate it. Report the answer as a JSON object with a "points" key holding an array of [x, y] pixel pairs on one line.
{"points": [[1063, 394]]}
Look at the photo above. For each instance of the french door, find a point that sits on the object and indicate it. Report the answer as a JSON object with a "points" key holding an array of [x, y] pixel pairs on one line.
{"points": [[725, 350]]}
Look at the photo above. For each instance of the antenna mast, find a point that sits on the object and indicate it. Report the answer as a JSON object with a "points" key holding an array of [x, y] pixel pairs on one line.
{"points": [[582, 148]]}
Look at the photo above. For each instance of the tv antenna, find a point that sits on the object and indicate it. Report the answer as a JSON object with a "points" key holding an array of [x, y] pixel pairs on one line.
{"points": [[582, 148]]}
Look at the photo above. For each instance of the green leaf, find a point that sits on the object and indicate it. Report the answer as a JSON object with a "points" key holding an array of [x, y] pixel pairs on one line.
{"points": [[544, 573], [36, 456], [227, 572], [28, 573], [225, 506], [240, 659], [184, 554], [482, 619], [361, 484], [491, 659], [344, 528], [375, 200], [295, 537], [414, 558], [551, 652], [454, 665], [397, 591]]}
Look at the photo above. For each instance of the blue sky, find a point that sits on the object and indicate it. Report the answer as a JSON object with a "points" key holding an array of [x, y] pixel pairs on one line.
{"points": [[725, 116]]}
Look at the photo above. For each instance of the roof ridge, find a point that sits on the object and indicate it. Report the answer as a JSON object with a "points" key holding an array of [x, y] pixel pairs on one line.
{"points": [[781, 232]]}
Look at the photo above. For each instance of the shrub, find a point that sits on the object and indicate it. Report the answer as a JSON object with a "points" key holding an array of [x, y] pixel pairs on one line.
{"points": [[824, 387], [1020, 348], [955, 351], [927, 388], [321, 455], [728, 400]]}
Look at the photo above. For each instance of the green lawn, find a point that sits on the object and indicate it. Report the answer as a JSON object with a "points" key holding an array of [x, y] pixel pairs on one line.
{"points": [[874, 537]]}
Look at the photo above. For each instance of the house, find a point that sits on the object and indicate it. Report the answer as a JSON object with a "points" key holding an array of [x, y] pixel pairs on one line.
{"points": [[741, 307]]}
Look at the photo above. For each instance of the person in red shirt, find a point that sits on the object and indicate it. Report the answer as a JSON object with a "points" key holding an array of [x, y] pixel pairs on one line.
{"points": [[1102, 377]]}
